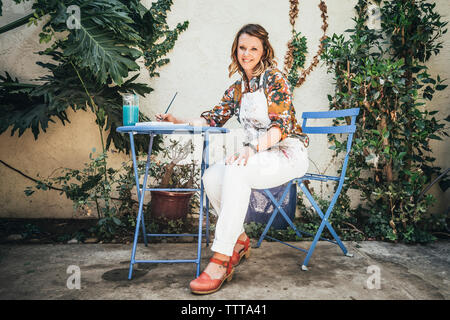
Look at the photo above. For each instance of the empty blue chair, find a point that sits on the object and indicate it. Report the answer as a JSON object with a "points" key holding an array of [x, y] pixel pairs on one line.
{"points": [[344, 129]]}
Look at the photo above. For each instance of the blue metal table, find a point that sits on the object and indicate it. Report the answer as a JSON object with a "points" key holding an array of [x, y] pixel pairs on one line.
{"points": [[169, 129]]}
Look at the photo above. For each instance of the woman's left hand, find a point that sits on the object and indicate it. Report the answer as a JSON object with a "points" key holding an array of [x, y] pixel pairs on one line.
{"points": [[240, 157]]}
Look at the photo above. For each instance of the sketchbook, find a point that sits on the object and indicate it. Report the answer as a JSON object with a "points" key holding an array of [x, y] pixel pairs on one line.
{"points": [[160, 123]]}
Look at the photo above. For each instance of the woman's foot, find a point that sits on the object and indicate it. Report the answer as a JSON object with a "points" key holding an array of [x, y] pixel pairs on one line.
{"points": [[239, 245], [241, 249], [216, 272]]}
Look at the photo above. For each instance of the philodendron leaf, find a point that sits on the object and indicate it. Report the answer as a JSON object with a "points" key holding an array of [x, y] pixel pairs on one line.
{"points": [[97, 50], [102, 39]]}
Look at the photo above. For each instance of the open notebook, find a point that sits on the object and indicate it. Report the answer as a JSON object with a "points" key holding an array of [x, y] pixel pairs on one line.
{"points": [[160, 123]]}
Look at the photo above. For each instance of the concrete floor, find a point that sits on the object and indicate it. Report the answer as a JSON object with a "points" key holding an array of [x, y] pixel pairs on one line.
{"points": [[272, 272]]}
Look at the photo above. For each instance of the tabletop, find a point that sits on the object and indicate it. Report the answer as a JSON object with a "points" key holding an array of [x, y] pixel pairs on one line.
{"points": [[170, 129]]}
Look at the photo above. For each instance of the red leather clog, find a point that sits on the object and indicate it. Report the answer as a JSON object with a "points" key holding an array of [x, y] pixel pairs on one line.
{"points": [[237, 256], [205, 285]]}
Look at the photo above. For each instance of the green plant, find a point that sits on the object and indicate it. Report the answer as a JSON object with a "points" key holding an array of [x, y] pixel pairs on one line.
{"points": [[383, 72], [64, 238], [170, 173], [30, 230], [82, 186], [92, 62], [89, 192], [88, 71], [163, 225], [299, 50]]}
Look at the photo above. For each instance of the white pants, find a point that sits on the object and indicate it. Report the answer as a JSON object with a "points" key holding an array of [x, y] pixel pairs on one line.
{"points": [[228, 187]]}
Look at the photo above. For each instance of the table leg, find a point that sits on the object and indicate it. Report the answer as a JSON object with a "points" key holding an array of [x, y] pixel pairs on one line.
{"points": [[200, 215], [207, 221], [206, 165], [136, 176], [140, 216]]}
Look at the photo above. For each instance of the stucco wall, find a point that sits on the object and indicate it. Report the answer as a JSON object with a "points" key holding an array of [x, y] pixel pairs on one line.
{"points": [[198, 72]]}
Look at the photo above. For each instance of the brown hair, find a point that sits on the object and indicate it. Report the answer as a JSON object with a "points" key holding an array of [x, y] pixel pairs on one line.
{"points": [[267, 59]]}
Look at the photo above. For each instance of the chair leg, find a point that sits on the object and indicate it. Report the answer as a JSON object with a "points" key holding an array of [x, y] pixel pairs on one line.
{"points": [[313, 246], [317, 236], [324, 217], [280, 208], [266, 229], [277, 205]]}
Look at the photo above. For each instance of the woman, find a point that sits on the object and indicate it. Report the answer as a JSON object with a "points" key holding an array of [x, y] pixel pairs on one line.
{"points": [[274, 149]]}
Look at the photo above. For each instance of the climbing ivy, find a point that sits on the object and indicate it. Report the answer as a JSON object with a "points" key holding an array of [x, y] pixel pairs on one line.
{"points": [[384, 73]]}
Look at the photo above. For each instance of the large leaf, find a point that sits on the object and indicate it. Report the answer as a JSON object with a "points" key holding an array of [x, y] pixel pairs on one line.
{"points": [[104, 39], [23, 109], [67, 90], [94, 49]]}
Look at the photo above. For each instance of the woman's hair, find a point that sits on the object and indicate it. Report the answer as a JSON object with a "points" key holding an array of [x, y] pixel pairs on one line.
{"points": [[267, 58]]}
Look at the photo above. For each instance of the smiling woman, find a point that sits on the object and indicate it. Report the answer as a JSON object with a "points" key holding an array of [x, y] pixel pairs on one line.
{"points": [[251, 52], [273, 151]]}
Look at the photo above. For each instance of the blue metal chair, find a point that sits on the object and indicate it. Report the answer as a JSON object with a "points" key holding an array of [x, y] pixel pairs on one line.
{"points": [[346, 129]]}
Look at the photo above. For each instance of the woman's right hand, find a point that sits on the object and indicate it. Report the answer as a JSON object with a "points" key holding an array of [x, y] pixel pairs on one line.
{"points": [[165, 117]]}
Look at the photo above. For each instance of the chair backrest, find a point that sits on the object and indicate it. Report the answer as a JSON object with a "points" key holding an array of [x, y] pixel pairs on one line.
{"points": [[330, 114], [349, 128]]}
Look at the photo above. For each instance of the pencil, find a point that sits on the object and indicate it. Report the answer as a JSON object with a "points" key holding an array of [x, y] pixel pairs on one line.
{"points": [[171, 102]]}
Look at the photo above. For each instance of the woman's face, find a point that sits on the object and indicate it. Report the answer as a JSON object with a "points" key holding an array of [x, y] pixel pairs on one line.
{"points": [[249, 52]]}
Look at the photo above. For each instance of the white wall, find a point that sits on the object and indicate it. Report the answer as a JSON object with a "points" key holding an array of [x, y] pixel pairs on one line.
{"points": [[198, 72]]}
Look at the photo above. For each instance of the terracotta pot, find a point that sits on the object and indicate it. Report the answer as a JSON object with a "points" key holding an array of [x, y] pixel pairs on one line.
{"points": [[171, 205]]}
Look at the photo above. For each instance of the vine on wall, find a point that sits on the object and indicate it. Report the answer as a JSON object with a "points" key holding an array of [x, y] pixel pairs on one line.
{"points": [[296, 54], [383, 72]]}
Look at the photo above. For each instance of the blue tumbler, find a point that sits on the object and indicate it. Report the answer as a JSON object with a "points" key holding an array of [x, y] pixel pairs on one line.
{"points": [[130, 109]]}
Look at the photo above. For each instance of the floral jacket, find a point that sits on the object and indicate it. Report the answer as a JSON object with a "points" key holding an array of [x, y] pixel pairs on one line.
{"points": [[279, 101]]}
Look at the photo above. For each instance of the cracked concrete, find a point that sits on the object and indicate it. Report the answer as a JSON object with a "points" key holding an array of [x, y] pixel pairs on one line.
{"points": [[419, 272]]}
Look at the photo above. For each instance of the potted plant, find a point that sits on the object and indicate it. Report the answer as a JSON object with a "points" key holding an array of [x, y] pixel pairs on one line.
{"points": [[171, 174]]}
